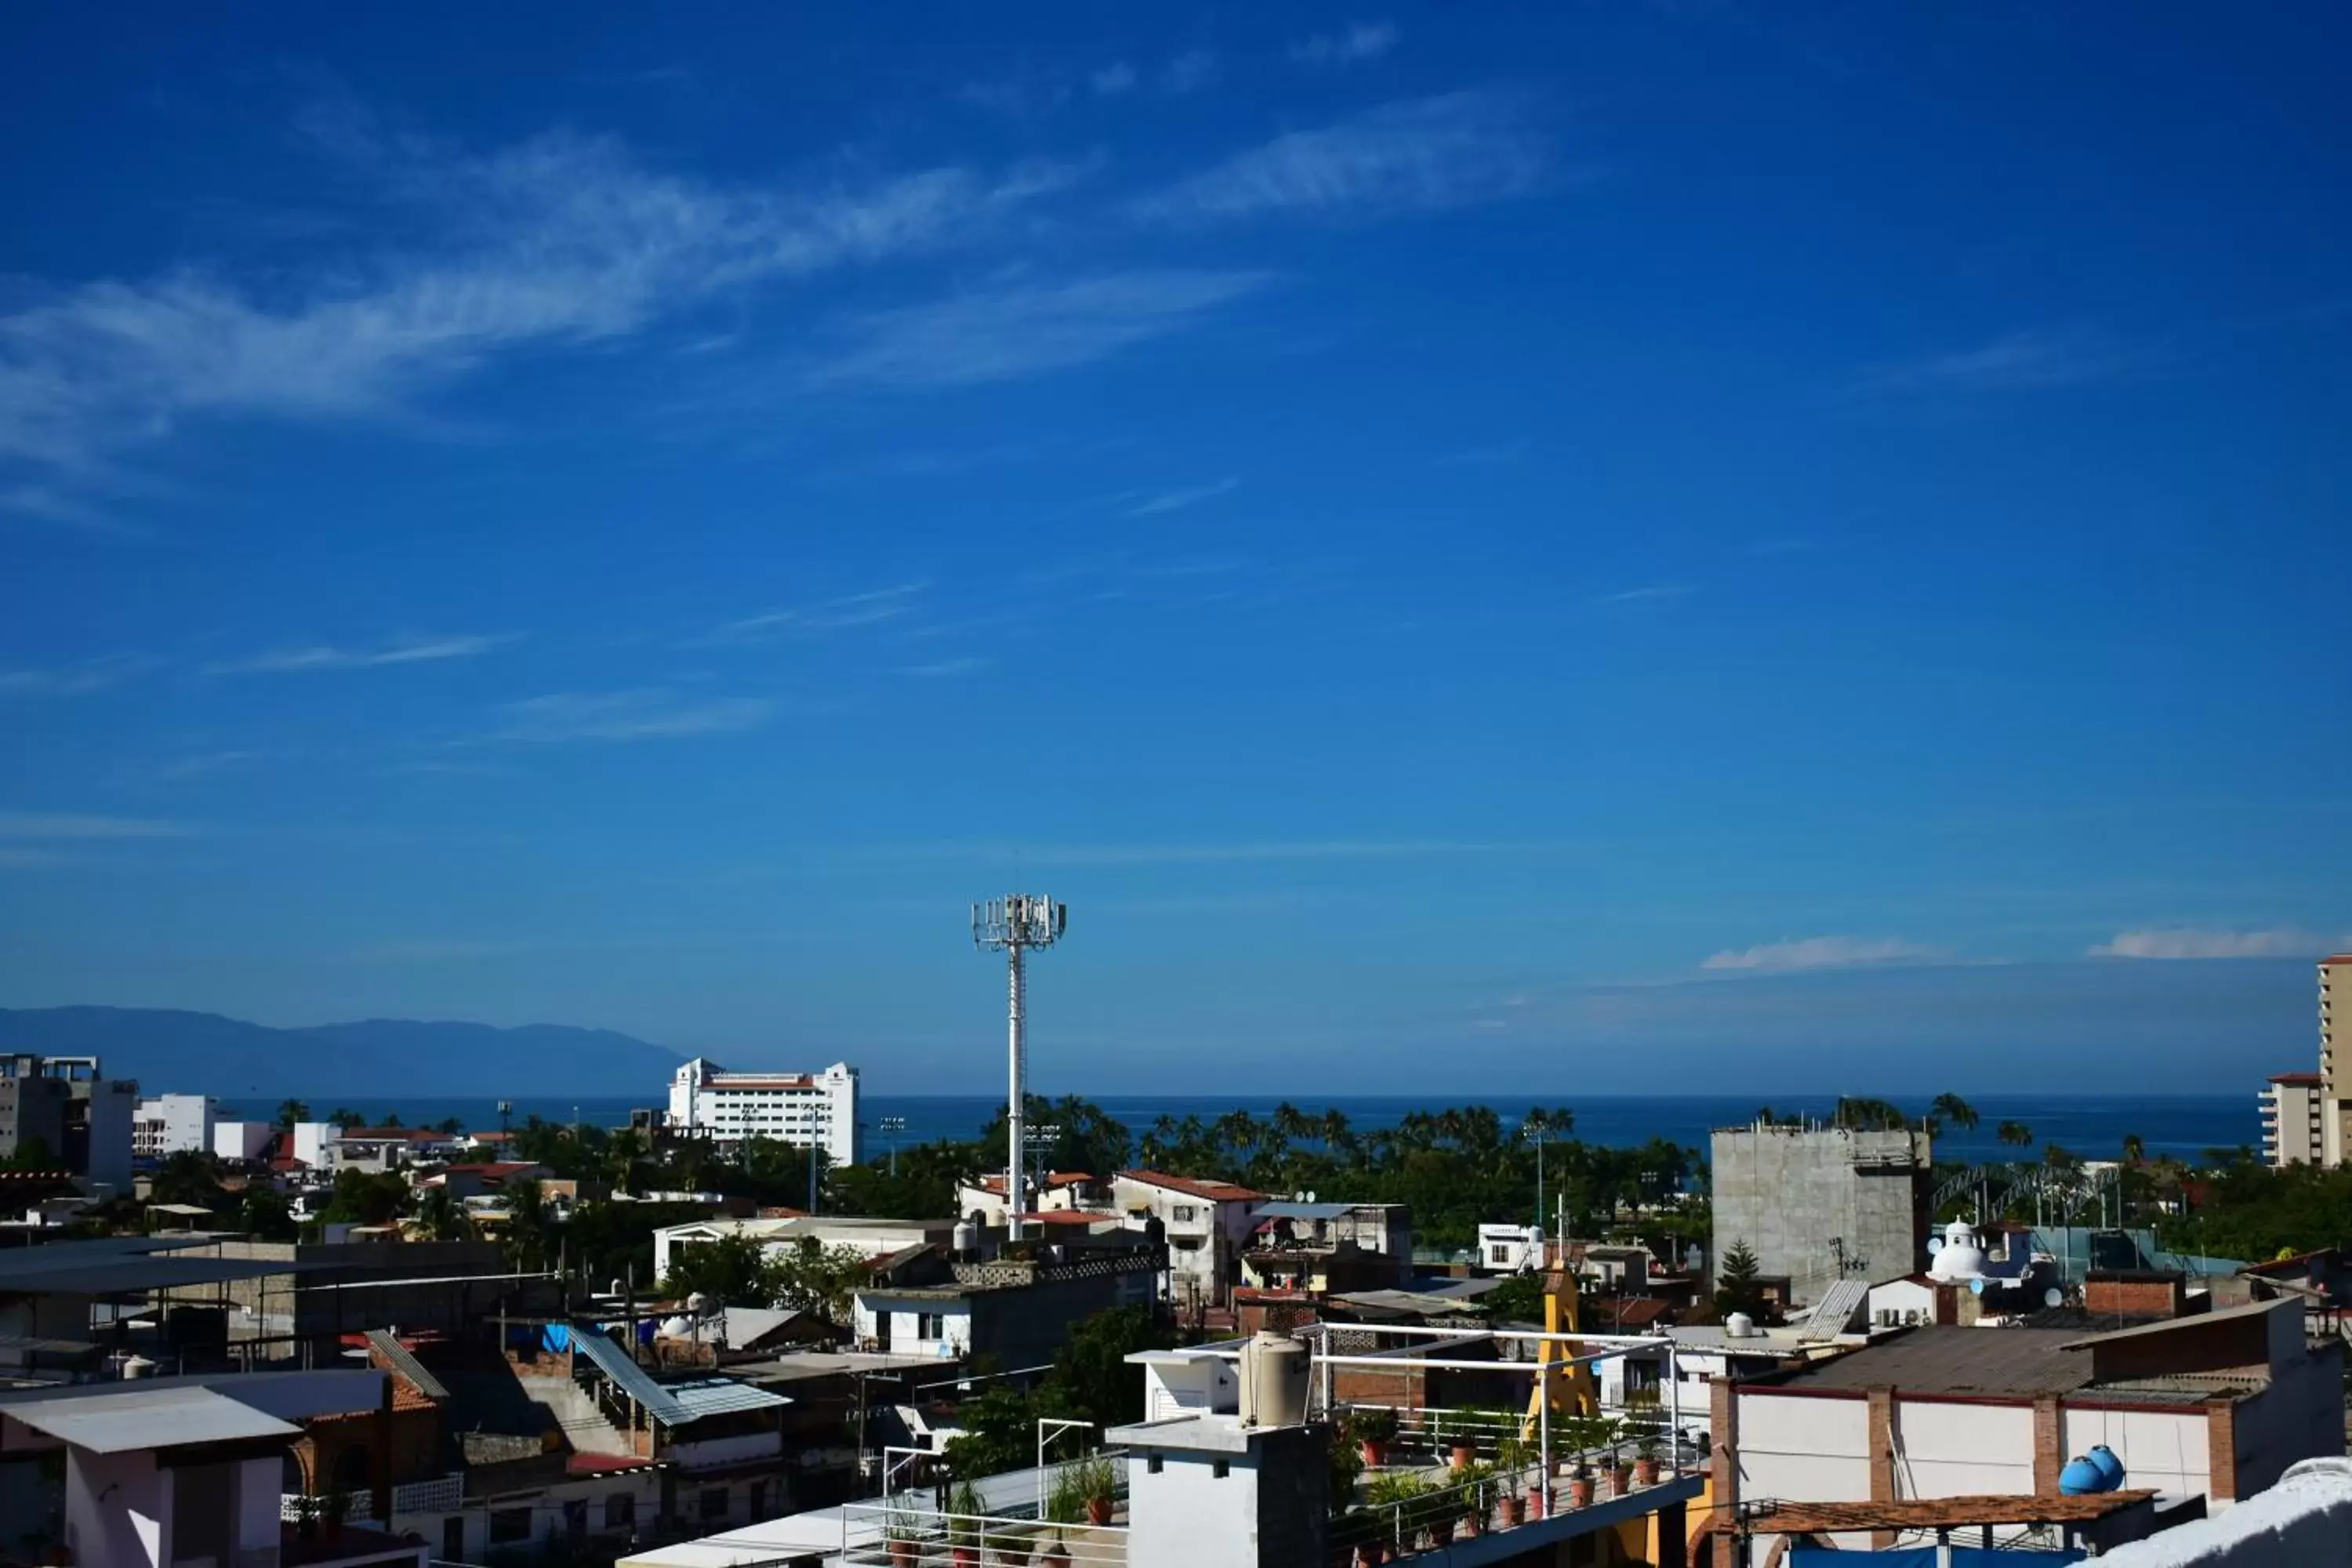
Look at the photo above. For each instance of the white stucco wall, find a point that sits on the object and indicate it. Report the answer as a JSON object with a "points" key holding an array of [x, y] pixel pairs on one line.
{"points": [[258, 1511], [2159, 1449], [905, 1337], [1188, 1516], [1961, 1450], [131, 1527], [1803, 1450], [711, 1452]]}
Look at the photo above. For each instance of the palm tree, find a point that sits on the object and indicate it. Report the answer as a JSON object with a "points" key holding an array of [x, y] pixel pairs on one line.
{"points": [[2015, 1133], [290, 1112], [1951, 1108], [2135, 1148], [345, 1117], [438, 1216]]}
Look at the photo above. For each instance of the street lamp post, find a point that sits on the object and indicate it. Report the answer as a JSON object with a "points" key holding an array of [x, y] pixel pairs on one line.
{"points": [[891, 1127]]}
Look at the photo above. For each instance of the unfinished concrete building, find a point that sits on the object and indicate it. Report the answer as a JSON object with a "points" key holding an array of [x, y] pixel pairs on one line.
{"points": [[1816, 1203]]}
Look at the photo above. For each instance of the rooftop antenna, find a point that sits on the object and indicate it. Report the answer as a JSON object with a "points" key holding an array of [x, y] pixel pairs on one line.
{"points": [[1012, 925]]}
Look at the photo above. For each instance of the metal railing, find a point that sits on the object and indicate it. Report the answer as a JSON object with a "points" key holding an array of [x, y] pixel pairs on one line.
{"points": [[877, 1536], [1448, 1475]]}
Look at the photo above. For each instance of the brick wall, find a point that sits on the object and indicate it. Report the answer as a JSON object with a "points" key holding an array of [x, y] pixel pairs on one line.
{"points": [[1724, 1481], [2221, 1450], [1882, 1458], [2049, 1440], [2135, 1295]]}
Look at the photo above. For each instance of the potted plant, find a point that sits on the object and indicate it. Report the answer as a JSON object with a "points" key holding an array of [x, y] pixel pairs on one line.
{"points": [[1057, 1555], [1580, 1486], [1066, 1501], [1464, 1448], [1645, 1461], [965, 1509], [902, 1530], [1011, 1546], [1098, 1484], [306, 1517], [1374, 1430], [1476, 1480], [1394, 1500], [337, 1509], [1512, 1456]]}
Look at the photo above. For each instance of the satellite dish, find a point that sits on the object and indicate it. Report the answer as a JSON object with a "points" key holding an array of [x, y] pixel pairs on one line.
{"points": [[1976, 1287], [1935, 1244], [2052, 1297]]}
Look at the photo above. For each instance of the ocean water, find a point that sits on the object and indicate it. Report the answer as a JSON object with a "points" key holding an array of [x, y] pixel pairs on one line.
{"points": [[2095, 1127]]}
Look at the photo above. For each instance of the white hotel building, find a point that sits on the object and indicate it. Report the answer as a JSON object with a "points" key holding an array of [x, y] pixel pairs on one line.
{"points": [[792, 1108]]}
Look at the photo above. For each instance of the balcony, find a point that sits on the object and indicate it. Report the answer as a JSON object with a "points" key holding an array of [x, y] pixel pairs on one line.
{"points": [[1465, 1476], [879, 1536]]}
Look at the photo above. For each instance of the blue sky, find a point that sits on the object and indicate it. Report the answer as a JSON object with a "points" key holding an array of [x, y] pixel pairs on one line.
{"points": [[1573, 545]]}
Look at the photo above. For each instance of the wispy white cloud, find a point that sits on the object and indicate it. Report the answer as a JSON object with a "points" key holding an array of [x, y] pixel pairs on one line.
{"points": [[642, 714], [562, 239], [1188, 72], [1112, 80], [872, 608], [73, 679], [1017, 330], [1648, 592], [54, 826], [2189, 942], [313, 657], [1178, 499], [1427, 155], [2015, 361], [1358, 42], [1825, 952], [944, 669]]}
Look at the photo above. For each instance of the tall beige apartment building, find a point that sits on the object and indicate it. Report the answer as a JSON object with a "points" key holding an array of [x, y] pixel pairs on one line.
{"points": [[2334, 986]]}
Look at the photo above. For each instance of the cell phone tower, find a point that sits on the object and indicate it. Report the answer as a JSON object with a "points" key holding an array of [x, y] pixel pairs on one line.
{"points": [[1014, 925]]}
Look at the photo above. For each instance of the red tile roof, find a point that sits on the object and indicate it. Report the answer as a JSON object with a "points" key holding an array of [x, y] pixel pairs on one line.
{"points": [[1215, 1192], [995, 1183], [2295, 1078], [604, 1464]]}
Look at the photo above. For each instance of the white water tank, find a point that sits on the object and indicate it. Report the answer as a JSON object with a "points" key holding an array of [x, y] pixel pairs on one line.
{"points": [[137, 1366], [1739, 1326], [1274, 1381], [966, 1239]]}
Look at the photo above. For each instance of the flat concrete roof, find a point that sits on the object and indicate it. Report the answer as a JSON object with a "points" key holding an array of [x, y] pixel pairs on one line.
{"points": [[1196, 1431]]}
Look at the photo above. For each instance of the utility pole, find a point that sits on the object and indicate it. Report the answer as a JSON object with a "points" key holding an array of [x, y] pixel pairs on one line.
{"points": [[891, 1127]]}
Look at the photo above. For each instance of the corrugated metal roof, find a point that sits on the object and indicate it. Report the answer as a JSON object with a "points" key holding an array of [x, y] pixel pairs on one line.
{"points": [[398, 1358], [717, 1395], [617, 1364], [1285, 1209], [2000, 1363], [140, 1418], [1836, 1309]]}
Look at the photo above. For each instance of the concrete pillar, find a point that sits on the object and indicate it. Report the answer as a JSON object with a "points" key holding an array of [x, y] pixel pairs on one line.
{"points": [[1724, 1478], [2049, 1445], [1673, 1537], [1882, 1458]]}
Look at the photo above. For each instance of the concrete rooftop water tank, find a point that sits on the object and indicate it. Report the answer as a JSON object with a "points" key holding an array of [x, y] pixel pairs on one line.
{"points": [[1274, 1381]]}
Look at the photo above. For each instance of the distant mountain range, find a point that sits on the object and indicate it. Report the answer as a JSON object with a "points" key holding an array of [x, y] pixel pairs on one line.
{"points": [[203, 1053]]}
